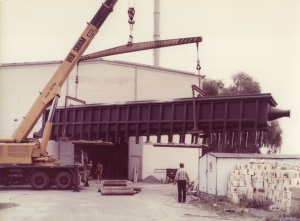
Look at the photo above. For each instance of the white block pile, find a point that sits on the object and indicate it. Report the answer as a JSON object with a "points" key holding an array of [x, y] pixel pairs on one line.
{"points": [[261, 180]]}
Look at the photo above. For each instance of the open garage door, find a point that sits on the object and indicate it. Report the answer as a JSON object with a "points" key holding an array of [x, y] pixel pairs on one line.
{"points": [[114, 159]]}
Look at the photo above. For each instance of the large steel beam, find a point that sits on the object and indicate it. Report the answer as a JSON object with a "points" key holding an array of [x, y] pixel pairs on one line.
{"points": [[220, 118]]}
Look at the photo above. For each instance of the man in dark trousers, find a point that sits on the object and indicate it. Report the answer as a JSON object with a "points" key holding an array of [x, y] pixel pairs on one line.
{"points": [[181, 179], [99, 170], [87, 168]]}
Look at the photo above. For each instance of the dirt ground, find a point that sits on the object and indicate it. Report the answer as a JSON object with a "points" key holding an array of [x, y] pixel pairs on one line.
{"points": [[155, 202]]}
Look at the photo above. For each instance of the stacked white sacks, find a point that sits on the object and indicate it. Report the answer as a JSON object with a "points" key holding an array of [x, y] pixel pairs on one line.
{"points": [[261, 180]]}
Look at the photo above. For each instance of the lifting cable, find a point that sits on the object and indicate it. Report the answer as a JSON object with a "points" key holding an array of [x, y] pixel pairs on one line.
{"points": [[131, 22], [198, 67], [198, 60], [76, 80]]}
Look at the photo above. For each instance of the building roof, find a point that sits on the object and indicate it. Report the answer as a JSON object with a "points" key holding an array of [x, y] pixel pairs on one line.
{"points": [[255, 156], [98, 60]]}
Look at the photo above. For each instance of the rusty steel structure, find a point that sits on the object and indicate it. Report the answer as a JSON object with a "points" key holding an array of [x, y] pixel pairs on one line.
{"points": [[141, 46], [223, 117]]}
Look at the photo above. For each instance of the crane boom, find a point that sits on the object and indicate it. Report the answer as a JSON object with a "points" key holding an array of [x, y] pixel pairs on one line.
{"points": [[140, 47], [53, 87]]}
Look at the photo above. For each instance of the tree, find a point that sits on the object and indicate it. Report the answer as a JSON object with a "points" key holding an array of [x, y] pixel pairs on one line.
{"points": [[272, 139], [244, 84], [213, 87]]}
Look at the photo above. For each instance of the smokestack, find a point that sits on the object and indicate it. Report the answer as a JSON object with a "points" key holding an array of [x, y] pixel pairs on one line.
{"points": [[156, 35]]}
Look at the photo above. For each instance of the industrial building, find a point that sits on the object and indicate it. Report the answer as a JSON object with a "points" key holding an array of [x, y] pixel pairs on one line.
{"points": [[101, 81]]}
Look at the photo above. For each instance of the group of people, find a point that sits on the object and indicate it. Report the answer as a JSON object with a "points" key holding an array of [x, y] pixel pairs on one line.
{"points": [[98, 172]]}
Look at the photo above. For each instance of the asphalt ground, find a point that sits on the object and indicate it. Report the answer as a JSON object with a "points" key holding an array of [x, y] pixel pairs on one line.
{"points": [[155, 202]]}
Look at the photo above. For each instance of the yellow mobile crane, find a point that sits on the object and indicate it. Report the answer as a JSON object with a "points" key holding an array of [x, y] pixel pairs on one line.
{"points": [[25, 159]]}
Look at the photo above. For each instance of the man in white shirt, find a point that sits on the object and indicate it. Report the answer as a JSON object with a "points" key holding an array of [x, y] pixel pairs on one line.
{"points": [[181, 178]]}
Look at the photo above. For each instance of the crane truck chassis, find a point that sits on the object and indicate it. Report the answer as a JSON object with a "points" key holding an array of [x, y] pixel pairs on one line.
{"points": [[40, 177]]}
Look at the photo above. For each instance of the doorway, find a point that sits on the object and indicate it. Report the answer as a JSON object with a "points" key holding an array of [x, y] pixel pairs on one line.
{"points": [[114, 159]]}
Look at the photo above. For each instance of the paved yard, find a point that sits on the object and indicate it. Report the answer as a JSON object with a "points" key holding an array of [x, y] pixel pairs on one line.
{"points": [[154, 202]]}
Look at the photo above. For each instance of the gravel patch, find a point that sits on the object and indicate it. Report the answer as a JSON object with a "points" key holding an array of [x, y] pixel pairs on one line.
{"points": [[151, 179]]}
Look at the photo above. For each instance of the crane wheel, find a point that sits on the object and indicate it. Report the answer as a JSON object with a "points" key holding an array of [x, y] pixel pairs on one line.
{"points": [[64, 180], [40, 181]]}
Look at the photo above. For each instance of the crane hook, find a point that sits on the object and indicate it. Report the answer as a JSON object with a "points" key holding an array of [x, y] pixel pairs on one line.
{"points": [[198, 66], [131, 22], [198, 60], [131, 13]]}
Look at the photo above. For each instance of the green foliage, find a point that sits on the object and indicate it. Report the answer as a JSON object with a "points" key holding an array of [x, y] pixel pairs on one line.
{"points": [[272, 139], [243, 84], [213, 87], [255, 203]]}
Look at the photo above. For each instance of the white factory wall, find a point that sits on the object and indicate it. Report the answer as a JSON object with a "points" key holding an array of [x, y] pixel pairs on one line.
{"points": [[100, 81], [119, 82], [19, 87], [103, 83], [155, 160], [215, 168]]}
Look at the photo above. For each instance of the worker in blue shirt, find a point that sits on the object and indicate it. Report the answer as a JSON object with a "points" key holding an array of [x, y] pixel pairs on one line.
{"points": [[181, 178]]}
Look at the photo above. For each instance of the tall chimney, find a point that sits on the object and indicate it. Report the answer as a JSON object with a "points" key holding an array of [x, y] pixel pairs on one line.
{"points": [[156, 35]]}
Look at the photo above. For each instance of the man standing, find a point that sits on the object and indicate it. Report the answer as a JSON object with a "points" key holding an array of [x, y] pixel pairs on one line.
{"points": [[87, 168], [99, 171], [181, 178]]}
